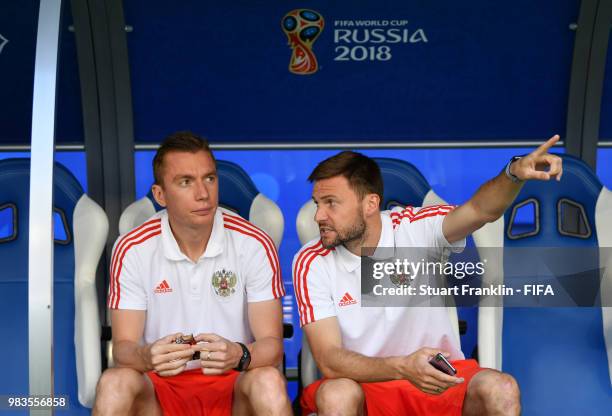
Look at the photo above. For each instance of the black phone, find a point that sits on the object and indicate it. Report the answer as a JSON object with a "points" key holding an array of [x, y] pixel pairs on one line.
{"points": [[441, 363]]}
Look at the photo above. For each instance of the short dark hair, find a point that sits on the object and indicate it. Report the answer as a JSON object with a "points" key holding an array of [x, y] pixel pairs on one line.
{"points": [[362, 173], [182, 141]]}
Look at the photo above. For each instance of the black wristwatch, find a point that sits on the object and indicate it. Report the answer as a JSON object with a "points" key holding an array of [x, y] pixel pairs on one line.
{"points": [[510, 176], [245, 360]]}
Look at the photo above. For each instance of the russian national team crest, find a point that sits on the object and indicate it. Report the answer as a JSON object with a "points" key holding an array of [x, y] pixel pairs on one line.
{"points": [[400, 280], [302, 27], [224, 283]]}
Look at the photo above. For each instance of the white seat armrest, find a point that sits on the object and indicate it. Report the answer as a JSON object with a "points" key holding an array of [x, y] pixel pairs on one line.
{"points": [[90, 226], [265, 214]]}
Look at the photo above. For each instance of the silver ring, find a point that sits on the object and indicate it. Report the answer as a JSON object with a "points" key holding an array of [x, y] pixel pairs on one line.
{"points": [[208, 356]]}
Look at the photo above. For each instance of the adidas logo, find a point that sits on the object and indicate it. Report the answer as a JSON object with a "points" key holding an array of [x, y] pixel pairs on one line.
{"points": [[347, 300], [163, 287]]}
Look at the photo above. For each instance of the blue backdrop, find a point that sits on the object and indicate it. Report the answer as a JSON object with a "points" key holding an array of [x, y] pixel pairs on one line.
{"points": [[18, 27], [387, 70]]}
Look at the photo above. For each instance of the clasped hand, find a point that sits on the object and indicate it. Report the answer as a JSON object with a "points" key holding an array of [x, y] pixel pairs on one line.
{"points": [[217, 354]]}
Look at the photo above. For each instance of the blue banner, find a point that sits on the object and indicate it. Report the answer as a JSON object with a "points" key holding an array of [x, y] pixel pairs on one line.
{"points": [[18, 23], [18, 28], [288, 71]]}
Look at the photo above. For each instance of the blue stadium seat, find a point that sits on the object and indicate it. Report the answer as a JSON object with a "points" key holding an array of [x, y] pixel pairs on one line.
{"points": [[404, 185], [80, 232], [558, 355]]}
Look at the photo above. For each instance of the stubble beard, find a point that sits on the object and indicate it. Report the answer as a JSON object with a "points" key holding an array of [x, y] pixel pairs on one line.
{"points": [[354, 233]]}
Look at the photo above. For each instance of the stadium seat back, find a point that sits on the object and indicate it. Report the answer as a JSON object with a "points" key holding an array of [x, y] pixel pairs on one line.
{"points": [[558, 355], [74, 264]]}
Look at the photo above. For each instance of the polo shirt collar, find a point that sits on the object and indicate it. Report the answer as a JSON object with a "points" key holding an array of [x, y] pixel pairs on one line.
{"points": [[351, 262], [214, 247]]}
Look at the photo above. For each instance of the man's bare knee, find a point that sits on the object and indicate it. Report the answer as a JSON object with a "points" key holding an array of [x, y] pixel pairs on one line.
{"points": [[267, 385], [509, 393], [340, 397], [120, 381], [118, 389], [495, 393]]}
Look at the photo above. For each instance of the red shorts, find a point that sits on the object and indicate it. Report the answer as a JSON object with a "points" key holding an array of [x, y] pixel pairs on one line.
{"points": [[400, 397], [193, 393]]}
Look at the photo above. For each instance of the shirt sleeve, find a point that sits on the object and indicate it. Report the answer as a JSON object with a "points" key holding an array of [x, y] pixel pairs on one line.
{"points": [[424, 224], [262, 271], [311, 285], [435, 224], [125, 289]]}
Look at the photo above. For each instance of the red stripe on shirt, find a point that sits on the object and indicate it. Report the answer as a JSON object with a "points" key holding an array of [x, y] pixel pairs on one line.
{"points": [[433, 208], [302, 266], [432, 214], [322, 252], [124, 242], [429, 211], [396, 217], [134, 234], [272, 264], [297, 283], [115, 303], [275, 270], [407, 210], [278, 287], [432, 211]]}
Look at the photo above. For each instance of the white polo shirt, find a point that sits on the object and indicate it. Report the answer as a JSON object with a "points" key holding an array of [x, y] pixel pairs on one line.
{"points": [[149, 272], [328, 283]]}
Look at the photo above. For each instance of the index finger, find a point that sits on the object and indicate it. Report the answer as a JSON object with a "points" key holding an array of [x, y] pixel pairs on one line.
{"points": [[543, 148], [175, 347], [445, 378], [209, 346], [163, 349], [207, 337], [168, 339], [433, 351]]}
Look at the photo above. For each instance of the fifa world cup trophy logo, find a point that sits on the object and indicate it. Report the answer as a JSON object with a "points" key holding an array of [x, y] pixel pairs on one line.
{"points": [[302, 27]]}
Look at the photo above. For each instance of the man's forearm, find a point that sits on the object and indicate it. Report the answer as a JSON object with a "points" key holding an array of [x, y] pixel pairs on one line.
{"points": [[487, 205], [266, 352], [493, 197], [342, 363], [130, 354]]}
